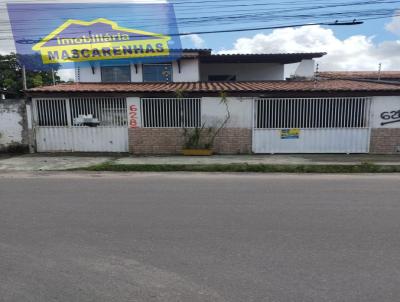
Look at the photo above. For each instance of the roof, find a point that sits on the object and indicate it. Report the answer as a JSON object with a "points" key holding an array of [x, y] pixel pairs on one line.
{"points": [[235, 87], [284, 58], [206, 56], [370, 75]]}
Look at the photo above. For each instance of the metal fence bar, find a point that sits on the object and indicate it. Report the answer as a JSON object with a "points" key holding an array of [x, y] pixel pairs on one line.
{"points": [[51, 112], [308, 113], [171, 112], [110, 112]]}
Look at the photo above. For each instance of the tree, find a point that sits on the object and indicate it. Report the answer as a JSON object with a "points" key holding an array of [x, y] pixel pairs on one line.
{"points": [[11, 77]]}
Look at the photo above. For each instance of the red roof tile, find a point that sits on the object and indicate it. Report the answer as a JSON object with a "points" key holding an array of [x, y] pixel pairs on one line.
{"points": [[372, 75], [266, 86]]}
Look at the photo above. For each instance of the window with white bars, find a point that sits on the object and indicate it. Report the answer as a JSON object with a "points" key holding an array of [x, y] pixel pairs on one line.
{"points": [[312, 113], [51, 112], [171, 112], [82, 112], [104, 111]]}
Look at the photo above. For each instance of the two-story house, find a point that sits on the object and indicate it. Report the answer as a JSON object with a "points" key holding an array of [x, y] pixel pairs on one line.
{"points": [[199, 65], [276, 103]]}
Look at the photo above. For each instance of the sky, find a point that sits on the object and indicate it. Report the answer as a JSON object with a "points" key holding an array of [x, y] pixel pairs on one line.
{"points": [[358, 47]]}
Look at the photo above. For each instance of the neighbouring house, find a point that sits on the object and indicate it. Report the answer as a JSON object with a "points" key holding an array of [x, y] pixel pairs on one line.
{"points": [[14, 134], [276, 105], [383, 76]]}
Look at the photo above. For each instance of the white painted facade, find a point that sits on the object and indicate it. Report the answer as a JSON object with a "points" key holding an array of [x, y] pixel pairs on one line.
{"points": [[303, 69], [241, 111], [214, 112], [191, 70], [385, 112], [11, 123], [188, 72], [134, 112], [88, 74], [244, 72]]}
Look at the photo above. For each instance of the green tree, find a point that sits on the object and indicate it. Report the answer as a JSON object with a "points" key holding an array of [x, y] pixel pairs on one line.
{"points": [[11, 77]]}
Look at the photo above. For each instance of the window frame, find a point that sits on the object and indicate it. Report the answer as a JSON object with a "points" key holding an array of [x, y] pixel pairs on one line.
{"points": [[116, 66], [158, 64]]}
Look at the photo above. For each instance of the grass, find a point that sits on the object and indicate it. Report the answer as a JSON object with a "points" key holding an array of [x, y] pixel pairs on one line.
{"points": [[255, 168]]}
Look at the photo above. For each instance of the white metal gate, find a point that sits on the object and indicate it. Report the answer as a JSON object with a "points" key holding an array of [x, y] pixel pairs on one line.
{"points": [[311, 125], [85, 124]]}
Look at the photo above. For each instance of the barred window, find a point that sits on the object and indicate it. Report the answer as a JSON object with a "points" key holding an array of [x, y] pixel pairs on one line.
{"points": [[51, 113], [99, 111], [312, 113], [171, 112], [82, 112]]}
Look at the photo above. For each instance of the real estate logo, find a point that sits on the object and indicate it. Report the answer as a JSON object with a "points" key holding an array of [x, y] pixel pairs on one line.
{"points": [[71, 35], [290, 133], [100, 39]]}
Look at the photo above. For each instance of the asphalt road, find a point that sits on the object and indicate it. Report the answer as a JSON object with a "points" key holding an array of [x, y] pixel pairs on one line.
{"points": [[199, 237]]}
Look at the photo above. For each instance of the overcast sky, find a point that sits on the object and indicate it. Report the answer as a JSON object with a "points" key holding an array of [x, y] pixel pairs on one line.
{"points": [[350, 48]]}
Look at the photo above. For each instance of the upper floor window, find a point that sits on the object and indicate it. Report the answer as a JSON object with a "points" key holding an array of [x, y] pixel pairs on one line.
{"points": [[115, 74], [157, 73], [222, 78]]}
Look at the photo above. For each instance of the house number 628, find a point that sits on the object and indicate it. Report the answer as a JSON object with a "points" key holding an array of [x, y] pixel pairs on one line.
{"points": [[133, 116]]}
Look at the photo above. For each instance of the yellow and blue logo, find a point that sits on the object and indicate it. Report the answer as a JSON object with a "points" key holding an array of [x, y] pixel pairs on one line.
{"points": [[290, 133], [97, 40]]}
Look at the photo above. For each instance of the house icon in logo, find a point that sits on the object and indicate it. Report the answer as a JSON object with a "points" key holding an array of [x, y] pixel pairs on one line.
{"points": [[97, 40]]}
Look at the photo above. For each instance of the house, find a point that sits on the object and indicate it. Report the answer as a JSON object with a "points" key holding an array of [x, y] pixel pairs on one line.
{"points": [[387, 76], [276, 105]]}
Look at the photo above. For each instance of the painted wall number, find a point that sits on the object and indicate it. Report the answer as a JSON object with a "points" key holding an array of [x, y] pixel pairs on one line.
{"points": [[133, 112], [390, 117]]}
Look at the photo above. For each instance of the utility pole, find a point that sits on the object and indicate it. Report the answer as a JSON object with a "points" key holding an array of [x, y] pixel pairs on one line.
{"points": [[24, 78], [53, 77], [316, 76], [379, 71]]}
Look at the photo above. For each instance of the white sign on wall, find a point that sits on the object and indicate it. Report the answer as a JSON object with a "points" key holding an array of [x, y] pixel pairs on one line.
{"points": [[385, 112]]}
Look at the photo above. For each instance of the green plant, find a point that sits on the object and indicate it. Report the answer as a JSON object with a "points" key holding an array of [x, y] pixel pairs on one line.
{"points": [[204, 137], [179, 93]]}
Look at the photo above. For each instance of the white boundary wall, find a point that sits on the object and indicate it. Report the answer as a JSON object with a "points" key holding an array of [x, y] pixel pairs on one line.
{"points": [[385, 112], [11, 123], [213, 111]]}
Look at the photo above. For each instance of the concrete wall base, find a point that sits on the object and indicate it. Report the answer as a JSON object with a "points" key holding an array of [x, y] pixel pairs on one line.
{"points": [[168, 141], [385, 141]]}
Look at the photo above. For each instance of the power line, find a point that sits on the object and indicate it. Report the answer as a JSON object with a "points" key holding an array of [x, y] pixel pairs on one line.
{"points": [[257, 17], [268, 12], [335, 23], [275, 15]]}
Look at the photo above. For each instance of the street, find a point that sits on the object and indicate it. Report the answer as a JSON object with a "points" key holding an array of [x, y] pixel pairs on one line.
{"points": [[199, 237]]}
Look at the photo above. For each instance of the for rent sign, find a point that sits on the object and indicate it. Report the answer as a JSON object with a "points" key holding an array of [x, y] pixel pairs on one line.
{"points": [[74, 33]]}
